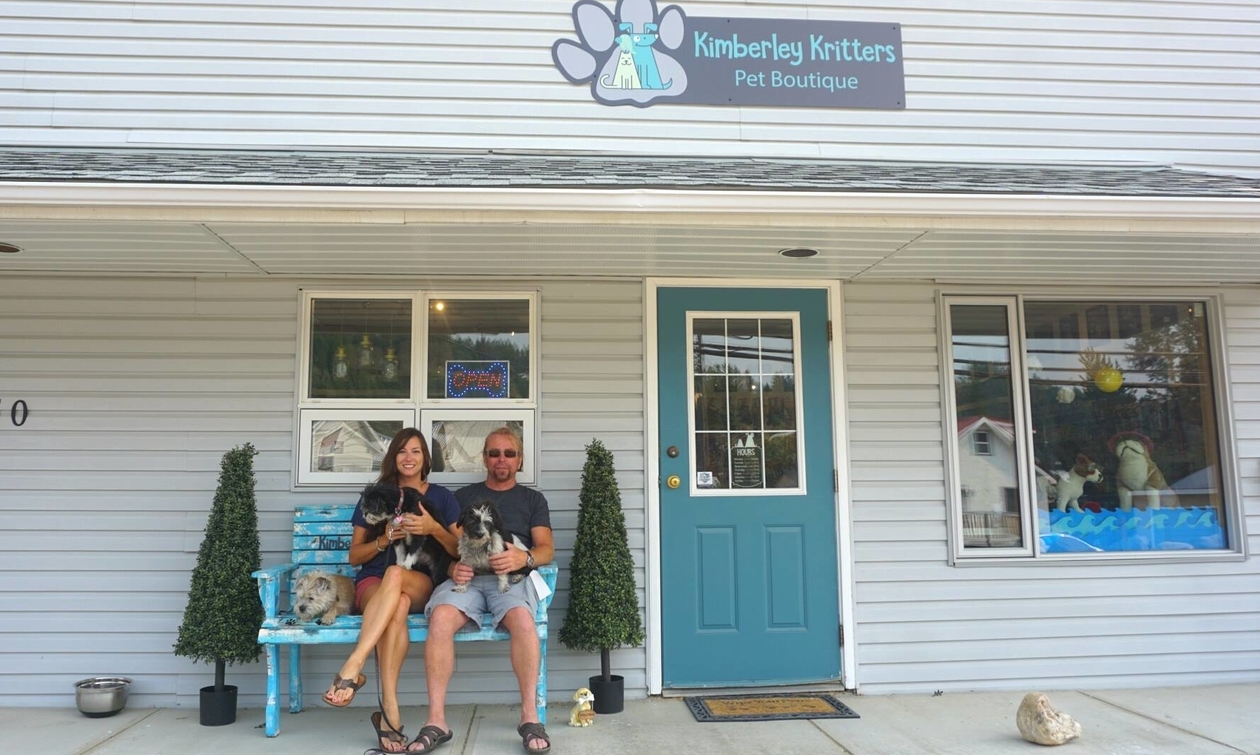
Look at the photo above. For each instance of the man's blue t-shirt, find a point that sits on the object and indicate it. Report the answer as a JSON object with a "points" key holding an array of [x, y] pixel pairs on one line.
{"points": [[443, 500]]}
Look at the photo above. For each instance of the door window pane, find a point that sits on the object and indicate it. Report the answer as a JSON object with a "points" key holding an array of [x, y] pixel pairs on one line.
{"points": [[745, 403], [360, 348], [1124, 426], [984, 405]]}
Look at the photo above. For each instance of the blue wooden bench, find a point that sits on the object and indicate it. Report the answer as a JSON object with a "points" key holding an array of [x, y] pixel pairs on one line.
{"points": [[321, 541]]}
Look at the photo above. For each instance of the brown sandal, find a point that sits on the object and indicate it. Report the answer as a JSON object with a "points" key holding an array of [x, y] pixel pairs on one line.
{"points": [[339, 683], [388, 734], [533, 730]]}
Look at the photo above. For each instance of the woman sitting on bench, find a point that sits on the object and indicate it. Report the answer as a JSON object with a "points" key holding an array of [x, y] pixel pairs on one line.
{"points": [[386, 594]]}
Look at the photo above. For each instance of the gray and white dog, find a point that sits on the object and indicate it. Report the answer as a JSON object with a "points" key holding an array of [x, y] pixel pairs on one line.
{"points": [[483, 535], [318, 594]]}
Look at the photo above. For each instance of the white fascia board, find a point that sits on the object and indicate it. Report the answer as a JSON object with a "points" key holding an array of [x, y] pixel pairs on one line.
{"points": [[579, 205]]}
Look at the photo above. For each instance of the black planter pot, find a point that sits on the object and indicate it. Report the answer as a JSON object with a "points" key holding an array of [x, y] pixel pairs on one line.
{"points": [[218, 708], [610, 696]]}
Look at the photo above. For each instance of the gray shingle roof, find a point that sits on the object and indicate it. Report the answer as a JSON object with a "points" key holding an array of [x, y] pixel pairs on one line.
{"points": [[345, 169]]}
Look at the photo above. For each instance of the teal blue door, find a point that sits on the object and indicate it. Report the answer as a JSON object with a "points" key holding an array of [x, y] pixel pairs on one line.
{"points": [[749, 577]]}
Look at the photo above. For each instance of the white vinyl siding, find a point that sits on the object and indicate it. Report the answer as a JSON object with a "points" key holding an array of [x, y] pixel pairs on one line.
{"points": [[922, 625], [136, 387], [1168, 82]]}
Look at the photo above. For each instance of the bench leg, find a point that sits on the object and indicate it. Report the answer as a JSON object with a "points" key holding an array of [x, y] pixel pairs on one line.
{"points": [[541, 694], [273, 690], [295, 678]]}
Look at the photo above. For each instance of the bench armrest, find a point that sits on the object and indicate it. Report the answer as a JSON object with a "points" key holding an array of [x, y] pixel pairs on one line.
{"points": [[548, 572], [269, 581]]}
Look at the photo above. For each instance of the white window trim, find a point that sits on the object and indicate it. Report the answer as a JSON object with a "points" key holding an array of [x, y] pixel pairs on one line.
{"points": [[976, 443], [1234, 527]]}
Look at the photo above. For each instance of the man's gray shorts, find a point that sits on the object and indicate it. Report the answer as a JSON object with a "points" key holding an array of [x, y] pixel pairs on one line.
{"points": [[483, 597]]}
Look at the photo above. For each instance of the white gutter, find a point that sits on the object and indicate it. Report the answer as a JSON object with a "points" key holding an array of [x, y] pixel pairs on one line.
{"points": [[658, 203]]}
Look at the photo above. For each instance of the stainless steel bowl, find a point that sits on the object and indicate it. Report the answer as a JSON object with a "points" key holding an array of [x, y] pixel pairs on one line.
{"points": [[101, 696]]}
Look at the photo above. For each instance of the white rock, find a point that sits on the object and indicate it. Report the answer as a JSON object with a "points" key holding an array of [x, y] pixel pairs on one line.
{"points": [[1040, 723]]}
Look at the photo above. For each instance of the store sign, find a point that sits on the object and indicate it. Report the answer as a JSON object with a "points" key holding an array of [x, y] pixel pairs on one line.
{"points": [[641, 57], [482, 379]]}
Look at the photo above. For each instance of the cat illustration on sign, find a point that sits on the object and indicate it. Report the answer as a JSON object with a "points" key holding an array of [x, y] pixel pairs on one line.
{"points": [[627, 74]]}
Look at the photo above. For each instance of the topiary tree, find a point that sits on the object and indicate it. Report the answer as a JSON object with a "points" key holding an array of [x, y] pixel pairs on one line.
{"points": [[223, 614], [603, 612]]}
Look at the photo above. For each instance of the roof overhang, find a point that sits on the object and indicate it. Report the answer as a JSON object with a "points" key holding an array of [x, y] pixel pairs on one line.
{"points": [[312, 214]]}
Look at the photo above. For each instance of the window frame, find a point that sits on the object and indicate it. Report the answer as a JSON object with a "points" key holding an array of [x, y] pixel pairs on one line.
{"points": [[417, 407], [425, 297], [799, 381], [1234, 526], [527, 475], [304, 476]]}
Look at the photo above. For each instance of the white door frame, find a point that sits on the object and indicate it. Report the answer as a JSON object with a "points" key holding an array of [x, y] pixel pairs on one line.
{"points": [[840, 435]]}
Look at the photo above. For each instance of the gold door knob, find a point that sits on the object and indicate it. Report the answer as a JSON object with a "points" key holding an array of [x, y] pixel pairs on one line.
{"points": [[673, 481]]}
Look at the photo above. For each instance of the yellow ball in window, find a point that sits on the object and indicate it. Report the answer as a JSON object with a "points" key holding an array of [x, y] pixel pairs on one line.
{"points": [[1108, 379]]}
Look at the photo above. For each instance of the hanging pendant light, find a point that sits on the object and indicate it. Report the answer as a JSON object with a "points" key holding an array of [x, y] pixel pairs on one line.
{"points": [[390, 370], [341, 367], [367, 353]]}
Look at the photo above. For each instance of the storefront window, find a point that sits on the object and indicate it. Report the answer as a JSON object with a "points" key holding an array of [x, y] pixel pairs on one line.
{"points": [[456, 365], [1124, 426], [1118, 449]]}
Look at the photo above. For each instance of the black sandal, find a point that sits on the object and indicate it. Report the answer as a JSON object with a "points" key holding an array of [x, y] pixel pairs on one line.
{"points": [[388, 734], [533, 730], [430, 738]]}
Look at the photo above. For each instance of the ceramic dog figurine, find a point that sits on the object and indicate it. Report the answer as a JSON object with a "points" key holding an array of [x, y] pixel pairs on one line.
{"points": [[1072, 483], [583, 714]]}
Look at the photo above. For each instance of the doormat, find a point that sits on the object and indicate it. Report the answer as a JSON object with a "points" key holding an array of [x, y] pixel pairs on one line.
{"points": [[779, 707]]}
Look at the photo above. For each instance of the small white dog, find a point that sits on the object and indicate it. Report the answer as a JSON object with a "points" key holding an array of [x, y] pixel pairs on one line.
{"points": [[583, 714], [321, 595]]}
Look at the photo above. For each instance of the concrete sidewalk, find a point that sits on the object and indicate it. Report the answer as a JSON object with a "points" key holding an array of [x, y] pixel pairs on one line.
{"points": [[1176, 721]]}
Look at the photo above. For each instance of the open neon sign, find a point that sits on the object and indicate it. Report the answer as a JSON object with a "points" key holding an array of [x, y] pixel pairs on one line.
{"points": [[477, 379]]}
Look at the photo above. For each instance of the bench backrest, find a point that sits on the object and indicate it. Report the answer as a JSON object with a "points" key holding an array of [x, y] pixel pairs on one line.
{"points": [[321, 538]]}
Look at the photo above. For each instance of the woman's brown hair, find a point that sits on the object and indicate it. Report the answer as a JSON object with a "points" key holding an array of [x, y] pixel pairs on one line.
{"points": [[389, 465]]}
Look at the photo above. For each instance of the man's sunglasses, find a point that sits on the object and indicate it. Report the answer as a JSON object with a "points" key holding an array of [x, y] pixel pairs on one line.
{"points": [[508, 452]]}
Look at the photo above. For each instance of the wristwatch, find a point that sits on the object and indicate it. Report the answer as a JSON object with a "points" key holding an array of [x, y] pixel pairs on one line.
{"points": [[529, 559]]}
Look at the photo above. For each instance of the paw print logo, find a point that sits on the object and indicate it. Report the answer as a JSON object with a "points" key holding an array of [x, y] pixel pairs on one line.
{"points": [[625, 56]]}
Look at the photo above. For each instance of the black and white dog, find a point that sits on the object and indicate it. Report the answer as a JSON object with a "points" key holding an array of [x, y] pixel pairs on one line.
{"points": [[483, 535], [383, 503]]}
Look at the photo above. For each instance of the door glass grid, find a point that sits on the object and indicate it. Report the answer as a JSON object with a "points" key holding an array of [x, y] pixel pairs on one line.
{"points": [[745, 421]]}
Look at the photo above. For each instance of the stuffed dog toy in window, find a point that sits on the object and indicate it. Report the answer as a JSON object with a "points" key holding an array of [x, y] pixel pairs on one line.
{"points": [[1136, 472]]}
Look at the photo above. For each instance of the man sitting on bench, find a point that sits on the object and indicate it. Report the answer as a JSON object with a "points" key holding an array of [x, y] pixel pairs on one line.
{"points": [[525, 513]]}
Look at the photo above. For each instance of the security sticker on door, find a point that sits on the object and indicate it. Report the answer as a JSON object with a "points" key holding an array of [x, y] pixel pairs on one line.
{"points": [[704, 479]]}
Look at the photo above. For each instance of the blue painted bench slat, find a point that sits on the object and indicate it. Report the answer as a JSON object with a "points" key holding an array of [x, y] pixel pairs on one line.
{"points": [[321, 541]]}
